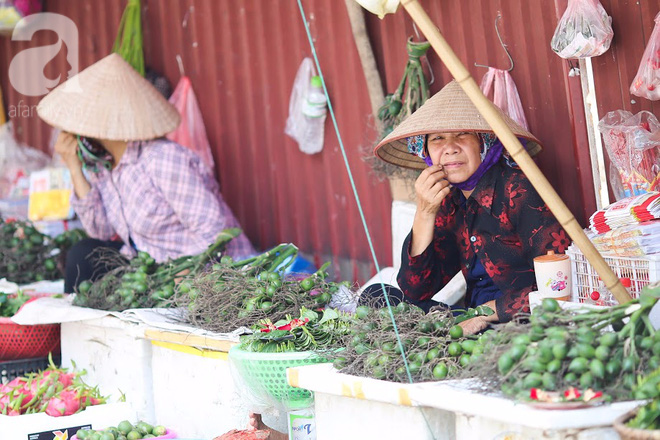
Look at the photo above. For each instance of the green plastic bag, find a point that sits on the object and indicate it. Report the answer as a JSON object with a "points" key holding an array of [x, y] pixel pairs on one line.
{"points": [[128, 43]]}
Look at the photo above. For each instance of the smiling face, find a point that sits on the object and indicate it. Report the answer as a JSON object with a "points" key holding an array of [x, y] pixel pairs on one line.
{"points": [[458, 153]]}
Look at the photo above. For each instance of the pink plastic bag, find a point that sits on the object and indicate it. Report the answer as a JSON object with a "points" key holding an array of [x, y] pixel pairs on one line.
{"points": [[27, 7], [647, 81], [191, 133], [585, 30], [505, 94]]}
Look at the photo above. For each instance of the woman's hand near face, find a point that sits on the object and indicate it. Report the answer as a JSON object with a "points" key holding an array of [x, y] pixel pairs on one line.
{"points": [[67, 147], [431, 189]]}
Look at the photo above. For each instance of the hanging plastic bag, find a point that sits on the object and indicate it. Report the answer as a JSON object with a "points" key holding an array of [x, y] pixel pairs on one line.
{"points": [[191, 132], [9, 16], [16, 163], [647, 81], [128, 43], [504, 94], [585, 30], [632, 143], [307, 112], [12, 11], [379, 7], [27, 7]]}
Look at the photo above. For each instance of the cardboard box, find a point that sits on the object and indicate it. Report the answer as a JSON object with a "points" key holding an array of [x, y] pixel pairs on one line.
{"points": [[402, 189], [44, 427]]}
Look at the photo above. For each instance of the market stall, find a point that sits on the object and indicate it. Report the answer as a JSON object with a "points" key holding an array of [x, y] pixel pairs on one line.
{"points": [[187, 331]]}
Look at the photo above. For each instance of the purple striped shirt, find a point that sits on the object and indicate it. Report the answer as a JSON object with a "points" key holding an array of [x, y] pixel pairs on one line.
{"points": [[163, 197]]}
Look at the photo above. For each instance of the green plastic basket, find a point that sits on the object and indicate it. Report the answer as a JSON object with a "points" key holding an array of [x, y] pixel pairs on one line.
{"points": [[265, 375]]}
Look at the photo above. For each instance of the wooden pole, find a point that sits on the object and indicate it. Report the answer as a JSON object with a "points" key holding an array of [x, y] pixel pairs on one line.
{"points": [[367, 59], [515, 149]]}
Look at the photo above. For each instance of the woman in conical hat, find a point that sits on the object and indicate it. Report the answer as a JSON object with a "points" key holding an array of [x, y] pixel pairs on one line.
{"points": [[153, 194], [476, 211]]}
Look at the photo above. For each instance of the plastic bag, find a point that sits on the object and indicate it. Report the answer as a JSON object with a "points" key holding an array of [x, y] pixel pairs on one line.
{"points": [[632, 143], [128, 42], [306, 128], [27, 7], [379, 7], [191, 132], [585, 30], [16, 163], [647, 81], [9, 16], [505, 94]]}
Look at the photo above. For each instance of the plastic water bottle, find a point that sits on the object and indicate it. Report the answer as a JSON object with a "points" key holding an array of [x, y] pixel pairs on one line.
{"points": [[593, 298], [314, 109], [603, 297], [599, 296]]}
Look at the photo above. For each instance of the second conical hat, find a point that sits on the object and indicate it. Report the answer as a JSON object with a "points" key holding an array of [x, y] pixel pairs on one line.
{"points": [[109, 100], [449, 110]]}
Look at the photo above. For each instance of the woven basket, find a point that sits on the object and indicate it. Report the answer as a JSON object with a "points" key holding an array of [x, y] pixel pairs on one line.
{"points": [[265, 375], [627, 433], [28, 341]]}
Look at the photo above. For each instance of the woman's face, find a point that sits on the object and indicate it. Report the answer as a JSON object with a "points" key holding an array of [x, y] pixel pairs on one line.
{"points": [[458, 153]]}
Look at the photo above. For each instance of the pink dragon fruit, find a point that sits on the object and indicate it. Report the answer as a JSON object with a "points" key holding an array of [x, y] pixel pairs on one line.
{"points": [[65, 404], [18, 382]]}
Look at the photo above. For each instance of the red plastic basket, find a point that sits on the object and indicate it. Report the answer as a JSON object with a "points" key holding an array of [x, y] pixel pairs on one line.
{"points": [[28, 341]]}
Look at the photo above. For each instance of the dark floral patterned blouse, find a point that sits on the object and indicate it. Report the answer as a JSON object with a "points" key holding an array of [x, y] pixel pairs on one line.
{"points": [[505, 223]]}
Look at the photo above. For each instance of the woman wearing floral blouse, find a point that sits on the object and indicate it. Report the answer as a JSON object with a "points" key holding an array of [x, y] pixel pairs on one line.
{"points": [[476, 211]]}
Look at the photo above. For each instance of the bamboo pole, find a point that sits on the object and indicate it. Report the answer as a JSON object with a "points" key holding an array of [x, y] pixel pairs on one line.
{"points": [[367, 59], [515, 149]]}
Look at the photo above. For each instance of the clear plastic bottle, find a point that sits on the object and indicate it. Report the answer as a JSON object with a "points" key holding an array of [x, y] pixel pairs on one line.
{"points": [[599, 296], [314, 109], [315, 105], [627, 283], [593, 298], [603, 297]]}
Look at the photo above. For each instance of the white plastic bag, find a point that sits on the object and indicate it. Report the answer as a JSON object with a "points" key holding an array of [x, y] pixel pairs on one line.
{"points": [[16, 163], [585, 30], [379, 7], [307, 130], [505, 94]]}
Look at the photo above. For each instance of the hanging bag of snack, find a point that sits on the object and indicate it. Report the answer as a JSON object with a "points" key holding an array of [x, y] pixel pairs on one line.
{"points": [[499, 84], [585, 30], [647, 81]]}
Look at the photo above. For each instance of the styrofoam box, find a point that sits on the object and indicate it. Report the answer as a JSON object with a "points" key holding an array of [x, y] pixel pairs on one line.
{"points": [[117, 359], [27, 427], [194, 392]]}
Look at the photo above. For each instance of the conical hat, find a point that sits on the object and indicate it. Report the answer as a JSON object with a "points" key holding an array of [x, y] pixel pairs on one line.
{"points": [[449, 110], [109, 100]]}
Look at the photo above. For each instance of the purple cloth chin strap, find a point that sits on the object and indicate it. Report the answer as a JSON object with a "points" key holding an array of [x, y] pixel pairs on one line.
{"points": [[491, 152], [492, 157]]}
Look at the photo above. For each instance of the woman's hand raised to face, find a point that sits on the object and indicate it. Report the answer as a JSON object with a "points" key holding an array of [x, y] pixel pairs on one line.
{"points": [[67, 147], [431, 188]]}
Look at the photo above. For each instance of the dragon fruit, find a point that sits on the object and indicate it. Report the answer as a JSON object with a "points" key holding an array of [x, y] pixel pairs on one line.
{"points": [[67, 403], [55, 391]]}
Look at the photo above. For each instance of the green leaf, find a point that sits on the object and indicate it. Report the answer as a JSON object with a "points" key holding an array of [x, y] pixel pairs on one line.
{"points": [[484, 311], [328, 314], [306, 313]]}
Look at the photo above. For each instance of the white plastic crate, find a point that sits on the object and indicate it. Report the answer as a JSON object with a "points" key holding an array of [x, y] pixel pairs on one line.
{"points": [[640, 270]]}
